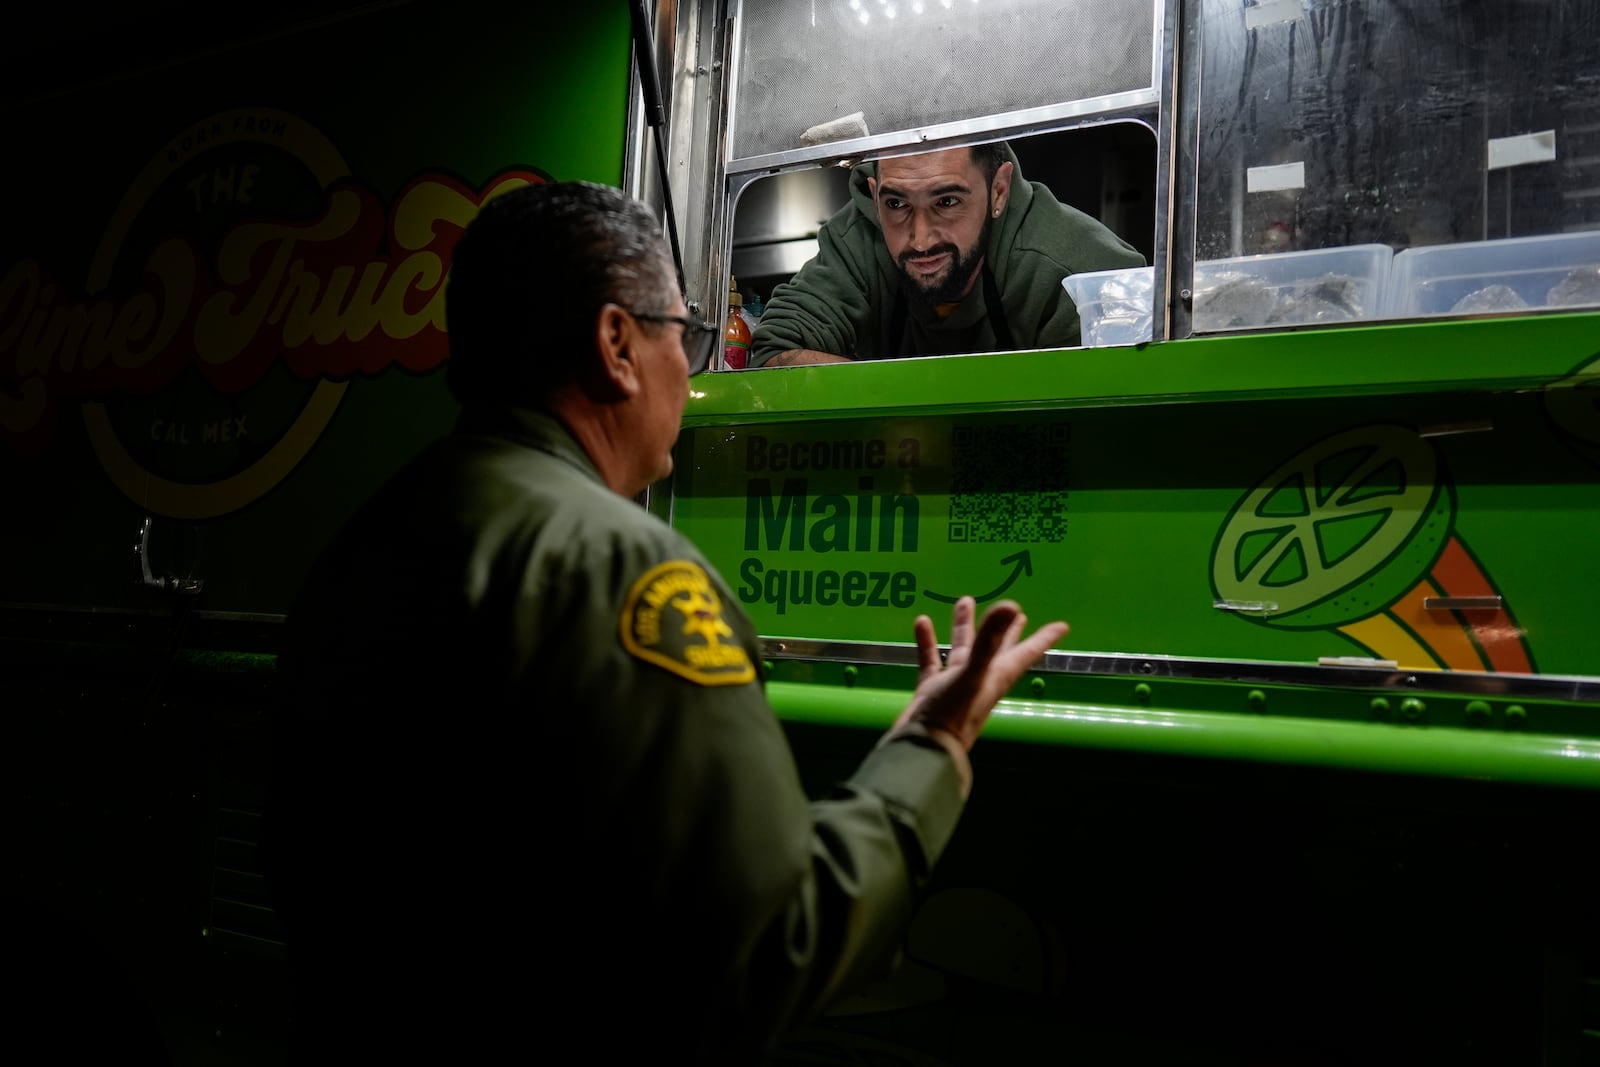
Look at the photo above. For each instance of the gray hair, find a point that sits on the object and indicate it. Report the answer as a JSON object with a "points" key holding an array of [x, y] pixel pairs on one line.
{"points": [[529, 277]]}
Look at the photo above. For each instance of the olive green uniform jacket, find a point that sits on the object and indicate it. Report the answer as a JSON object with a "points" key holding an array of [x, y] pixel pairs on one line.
{"points": [[842, 300], [529, 789]]}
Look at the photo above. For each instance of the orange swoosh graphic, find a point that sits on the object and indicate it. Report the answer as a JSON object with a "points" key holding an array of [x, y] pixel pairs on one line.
{"points": [[1458, 574]]}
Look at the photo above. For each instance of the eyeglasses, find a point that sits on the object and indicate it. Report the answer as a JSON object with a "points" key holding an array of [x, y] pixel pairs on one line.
{"points": [[699, 338]]}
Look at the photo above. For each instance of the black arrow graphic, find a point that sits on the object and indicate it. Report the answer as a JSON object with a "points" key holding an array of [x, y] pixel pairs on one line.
{"points": [[1024, 565]]}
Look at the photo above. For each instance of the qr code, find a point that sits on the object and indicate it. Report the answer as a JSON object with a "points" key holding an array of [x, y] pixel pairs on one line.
{"points": [[1009, 483]]}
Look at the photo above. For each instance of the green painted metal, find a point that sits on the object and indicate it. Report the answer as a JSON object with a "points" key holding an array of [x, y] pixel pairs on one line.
{"points": [[1482, 354], [1399, 463], [1537, 759], [1344, 514]]}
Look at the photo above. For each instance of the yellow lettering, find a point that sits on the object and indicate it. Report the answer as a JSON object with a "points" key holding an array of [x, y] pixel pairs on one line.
{"points": [[423, 272], [435, 309], [221, 333], [666, 587], [297, 297], [416, 221], [647, 625], [425, 205], [264, 282], [133, 321], [715, 656], [172, 264], [351, 316], [87, 334], [327, 322]]}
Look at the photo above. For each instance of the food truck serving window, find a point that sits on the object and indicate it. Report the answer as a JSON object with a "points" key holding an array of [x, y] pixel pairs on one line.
{"points": [[816, 86]]}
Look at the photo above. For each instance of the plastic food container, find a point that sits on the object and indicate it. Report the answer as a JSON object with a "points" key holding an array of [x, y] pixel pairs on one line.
{"points": [[1114, 306], [1562, 270], [1314, 288]]}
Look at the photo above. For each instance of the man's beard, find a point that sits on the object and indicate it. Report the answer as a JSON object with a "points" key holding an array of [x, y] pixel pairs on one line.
{"points": [[963, 266]]}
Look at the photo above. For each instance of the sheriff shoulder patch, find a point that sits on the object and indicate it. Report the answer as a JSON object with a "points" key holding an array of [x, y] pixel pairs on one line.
{"points": [[673, 618]]}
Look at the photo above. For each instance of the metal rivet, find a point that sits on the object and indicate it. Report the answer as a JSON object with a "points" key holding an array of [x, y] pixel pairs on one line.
{"points": [[850, 674], [1037, 686], [1256, 699], [1516, 717], [1380, 708], [1478, 712], [1141, 693], [1412, 709]]}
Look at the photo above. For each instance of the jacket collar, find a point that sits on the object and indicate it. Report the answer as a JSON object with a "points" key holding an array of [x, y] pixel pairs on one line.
{"points": [[530, 428]]}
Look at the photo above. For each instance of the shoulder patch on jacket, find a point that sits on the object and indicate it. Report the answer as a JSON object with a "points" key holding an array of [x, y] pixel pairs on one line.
{"points": [[673, 618]]}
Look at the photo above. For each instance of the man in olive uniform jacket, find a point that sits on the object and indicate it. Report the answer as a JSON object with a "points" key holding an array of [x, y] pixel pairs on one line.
{"points": [[530, 794]]}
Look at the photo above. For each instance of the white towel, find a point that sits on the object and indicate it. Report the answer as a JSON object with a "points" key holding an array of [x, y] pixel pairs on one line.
{"points": [[841, 129]]}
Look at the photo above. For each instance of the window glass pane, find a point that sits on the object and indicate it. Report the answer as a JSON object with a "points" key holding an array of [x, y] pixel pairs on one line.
{"points": [[905, 64], [1403, 125]]}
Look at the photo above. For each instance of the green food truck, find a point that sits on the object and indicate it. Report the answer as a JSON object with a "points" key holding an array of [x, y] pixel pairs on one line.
{"points": [[1315, 777]]}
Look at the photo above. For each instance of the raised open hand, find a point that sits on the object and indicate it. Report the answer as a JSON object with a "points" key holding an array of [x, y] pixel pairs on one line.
{"points": [[958, 695]]}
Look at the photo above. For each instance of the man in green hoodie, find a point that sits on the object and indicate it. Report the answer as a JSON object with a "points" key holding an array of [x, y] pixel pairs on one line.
{"points": [[937, 253]]}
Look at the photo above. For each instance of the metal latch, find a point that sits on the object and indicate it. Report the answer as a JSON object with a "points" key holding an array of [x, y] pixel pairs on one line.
{"points": [[1462, 603], [170, 583]]}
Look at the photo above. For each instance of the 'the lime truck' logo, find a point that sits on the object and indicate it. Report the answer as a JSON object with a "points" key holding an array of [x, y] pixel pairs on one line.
{"points": [[1355, 534], [242, 280]]}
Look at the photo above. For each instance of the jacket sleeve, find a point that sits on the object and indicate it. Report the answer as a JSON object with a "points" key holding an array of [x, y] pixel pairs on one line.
{"points": [[829, 301], [823, 891], [774, 903]]}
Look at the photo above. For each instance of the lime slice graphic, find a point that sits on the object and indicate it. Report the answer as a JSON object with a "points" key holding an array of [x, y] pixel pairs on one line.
{"points": [[1337, 533]]}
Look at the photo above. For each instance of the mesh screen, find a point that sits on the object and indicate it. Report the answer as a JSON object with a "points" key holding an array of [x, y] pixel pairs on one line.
{"points": [[806, 62]]}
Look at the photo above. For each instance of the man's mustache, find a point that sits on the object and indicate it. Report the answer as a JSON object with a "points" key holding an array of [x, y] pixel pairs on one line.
{"points": [[946, 249]]}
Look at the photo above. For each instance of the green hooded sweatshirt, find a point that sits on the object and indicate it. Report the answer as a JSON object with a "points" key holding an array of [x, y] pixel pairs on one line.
{"points": [[843, 300]]}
